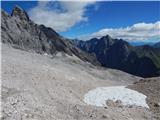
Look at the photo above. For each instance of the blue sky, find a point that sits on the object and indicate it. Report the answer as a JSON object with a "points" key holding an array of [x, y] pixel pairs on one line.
{"points": [[95, 19]]}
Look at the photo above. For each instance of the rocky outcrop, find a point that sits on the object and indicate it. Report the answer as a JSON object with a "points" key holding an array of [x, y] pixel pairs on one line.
{"points": [[20, 13], [18, 30]]}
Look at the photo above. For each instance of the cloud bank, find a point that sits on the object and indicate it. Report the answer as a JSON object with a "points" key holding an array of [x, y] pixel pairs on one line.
{"points": [[136, 32], [60, 15]]}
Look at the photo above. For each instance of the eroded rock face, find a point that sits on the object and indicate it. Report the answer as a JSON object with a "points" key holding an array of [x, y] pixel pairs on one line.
{"points": [[18, 30]]}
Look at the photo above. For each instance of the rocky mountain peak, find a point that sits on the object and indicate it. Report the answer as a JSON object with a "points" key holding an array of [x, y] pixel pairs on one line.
{"points": [[107, 37], [107, 40], [19, 31], [20, 13]]}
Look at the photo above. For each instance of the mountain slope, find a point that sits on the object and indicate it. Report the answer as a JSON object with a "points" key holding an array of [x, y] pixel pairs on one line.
{"points": [[41, 87], [118, 54], [19, 31]]}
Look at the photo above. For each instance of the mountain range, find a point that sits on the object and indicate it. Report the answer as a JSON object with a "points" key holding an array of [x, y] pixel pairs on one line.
{"points": [[21, 32], [118, 54]]}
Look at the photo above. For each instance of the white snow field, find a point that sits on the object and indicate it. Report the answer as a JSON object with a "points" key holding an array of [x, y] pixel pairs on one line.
{"points": [[100, 95]]}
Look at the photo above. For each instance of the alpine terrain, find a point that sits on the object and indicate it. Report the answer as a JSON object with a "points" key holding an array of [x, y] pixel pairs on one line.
{"points": [[46, 76]]}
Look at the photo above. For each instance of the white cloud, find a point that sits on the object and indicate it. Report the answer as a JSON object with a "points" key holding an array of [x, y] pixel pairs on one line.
{"points": [[136, 32], [60, 15]]}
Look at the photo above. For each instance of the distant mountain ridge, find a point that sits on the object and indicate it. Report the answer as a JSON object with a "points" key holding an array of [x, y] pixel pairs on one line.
{"points": [[157, 45], [18, 30], [118, 54]]}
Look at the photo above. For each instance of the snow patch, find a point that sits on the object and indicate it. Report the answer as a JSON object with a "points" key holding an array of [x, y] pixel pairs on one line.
{"points": [[127, 96], [59, 54], [45, 54]]}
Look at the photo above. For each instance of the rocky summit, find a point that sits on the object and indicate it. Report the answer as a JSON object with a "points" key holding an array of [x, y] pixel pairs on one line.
{"points": [[21, 32]]}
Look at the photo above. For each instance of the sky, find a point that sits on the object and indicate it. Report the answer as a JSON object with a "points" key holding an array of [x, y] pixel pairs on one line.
{"points": [[131, 21]]}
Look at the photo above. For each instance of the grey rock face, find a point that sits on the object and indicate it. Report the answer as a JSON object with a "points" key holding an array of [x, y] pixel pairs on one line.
{"points": [[18, 30], [18, 12]]}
